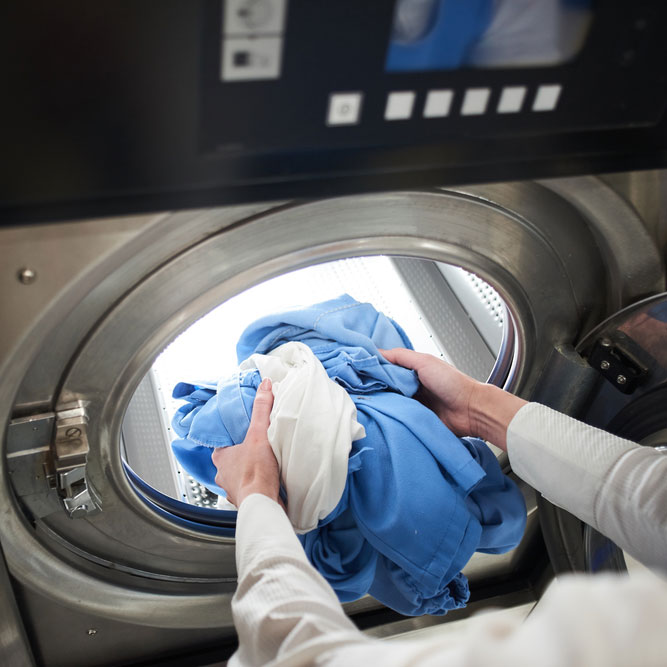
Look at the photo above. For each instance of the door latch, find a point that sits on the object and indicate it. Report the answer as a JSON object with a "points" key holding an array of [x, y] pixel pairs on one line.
{"points": [[67, 472]]}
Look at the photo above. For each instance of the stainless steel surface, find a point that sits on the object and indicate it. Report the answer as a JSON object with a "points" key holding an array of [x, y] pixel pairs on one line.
{"points": [[28, 433], [67, 636], [634, 261], [83, 267], [14, 647], [147, 440], [482, 303], [646, 192], [28, 456], [450, 324], [91, 325]]}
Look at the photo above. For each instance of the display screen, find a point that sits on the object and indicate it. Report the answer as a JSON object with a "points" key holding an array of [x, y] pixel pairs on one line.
{"points": [[450, 34]]}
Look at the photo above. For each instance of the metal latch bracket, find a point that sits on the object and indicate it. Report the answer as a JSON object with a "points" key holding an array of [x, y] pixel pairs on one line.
{"points": [[67, 473], [617, 365]]}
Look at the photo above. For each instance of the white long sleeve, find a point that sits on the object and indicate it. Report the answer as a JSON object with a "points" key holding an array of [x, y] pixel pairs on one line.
{"points": [[286, 614], [614, 485]]}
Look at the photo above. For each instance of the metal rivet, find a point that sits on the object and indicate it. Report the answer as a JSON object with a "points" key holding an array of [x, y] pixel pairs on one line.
{"points": [[92, 631], [621, 379], [604, 365], [26, 276]]}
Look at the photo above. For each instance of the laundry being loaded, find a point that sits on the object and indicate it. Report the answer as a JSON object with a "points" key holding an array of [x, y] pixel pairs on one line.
{"points": [[384, 498]]}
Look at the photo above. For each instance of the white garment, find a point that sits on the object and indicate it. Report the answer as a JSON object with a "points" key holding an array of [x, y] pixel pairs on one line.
{"points": [[612, 484], [286, 614], [313, 425]]}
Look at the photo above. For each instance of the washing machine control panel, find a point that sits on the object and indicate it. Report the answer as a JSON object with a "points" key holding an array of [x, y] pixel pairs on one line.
{"points": [[209, 102], [310, 75]]}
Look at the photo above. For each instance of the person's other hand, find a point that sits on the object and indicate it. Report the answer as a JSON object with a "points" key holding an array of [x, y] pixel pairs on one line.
{"points": [[466, 406], [444, 389], [250, 467]]}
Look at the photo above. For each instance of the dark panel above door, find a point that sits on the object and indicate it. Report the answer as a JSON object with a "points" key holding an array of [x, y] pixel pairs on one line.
{"points": [[112, 107]]}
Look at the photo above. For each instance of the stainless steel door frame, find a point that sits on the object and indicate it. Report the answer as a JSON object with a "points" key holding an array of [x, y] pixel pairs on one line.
{"points": [[92, 326]]}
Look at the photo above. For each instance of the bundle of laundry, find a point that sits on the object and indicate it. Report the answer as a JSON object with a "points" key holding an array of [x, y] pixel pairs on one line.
{"points": [[384, 498]]}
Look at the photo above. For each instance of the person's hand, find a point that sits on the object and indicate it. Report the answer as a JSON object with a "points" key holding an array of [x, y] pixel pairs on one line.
{"points": [[250, 467], [444, 389], [464, 405]]}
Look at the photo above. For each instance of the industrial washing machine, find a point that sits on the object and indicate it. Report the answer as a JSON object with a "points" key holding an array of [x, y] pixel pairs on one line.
{"points": [[160, 159]]}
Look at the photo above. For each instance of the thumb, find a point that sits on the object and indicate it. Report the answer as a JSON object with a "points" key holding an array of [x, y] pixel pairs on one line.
{"points": [[261, 409], [402, 357]]}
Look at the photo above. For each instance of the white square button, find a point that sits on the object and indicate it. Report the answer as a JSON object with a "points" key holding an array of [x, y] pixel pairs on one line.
{"points": [[547, 97], [250, 59], [438, 103], [249, 17], [511, 99], [344, 108], [399, 105], [475, 101]]}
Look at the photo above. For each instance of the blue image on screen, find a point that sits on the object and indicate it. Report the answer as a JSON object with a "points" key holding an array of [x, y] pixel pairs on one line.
{"points": [[450, 34]]}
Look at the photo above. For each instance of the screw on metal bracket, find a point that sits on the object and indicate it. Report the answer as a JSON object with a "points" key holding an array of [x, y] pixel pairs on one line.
{"points": [[26, 276], [618, 363]]}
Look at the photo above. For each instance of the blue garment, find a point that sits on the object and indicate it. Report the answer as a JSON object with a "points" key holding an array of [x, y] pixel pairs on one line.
{"points": [[453, 30], [418, 501]]}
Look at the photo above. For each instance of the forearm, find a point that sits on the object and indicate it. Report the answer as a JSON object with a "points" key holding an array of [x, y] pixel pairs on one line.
{"points": [[491, 410], [283, 609], [614, 485]]}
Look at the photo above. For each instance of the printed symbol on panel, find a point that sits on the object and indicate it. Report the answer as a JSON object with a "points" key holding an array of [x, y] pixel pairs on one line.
{"points": [[247, 58], [344, 109], [255, 13], [254, 17]]}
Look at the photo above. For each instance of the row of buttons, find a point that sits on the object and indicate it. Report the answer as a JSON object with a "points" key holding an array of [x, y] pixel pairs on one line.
{"points": [[345, 108]]}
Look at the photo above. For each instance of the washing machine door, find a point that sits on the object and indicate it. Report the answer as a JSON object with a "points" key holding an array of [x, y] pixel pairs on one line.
{"points": [[626, 394]]}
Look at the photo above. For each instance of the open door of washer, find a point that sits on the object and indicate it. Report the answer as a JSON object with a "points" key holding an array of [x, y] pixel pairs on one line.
{"points": [[627, 355]]}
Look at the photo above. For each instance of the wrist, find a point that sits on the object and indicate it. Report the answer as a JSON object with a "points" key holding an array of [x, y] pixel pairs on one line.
{"points": [[267, 490], [491, 409]]}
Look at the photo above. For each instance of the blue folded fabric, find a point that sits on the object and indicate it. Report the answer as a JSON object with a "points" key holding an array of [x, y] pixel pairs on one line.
{"points": [[345, 336], [418, 500]]}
